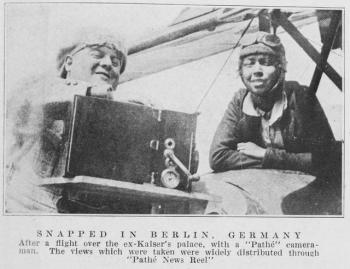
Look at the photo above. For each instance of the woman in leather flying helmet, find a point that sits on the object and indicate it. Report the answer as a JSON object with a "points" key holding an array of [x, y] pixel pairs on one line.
{"points": [[270, 123]]}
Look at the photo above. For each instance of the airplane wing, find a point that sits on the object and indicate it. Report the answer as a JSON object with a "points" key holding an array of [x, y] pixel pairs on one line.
{"points": [[195, 34]]}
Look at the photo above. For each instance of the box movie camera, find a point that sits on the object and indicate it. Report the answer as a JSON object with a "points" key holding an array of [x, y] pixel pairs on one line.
{"points": [[126, 142]]}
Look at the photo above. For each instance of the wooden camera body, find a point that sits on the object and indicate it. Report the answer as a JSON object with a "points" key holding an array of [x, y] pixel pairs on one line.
{"points": [[129, 142]]}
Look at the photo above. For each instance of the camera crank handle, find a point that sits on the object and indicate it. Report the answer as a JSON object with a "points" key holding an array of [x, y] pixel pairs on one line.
{"points": [[169, 153]]}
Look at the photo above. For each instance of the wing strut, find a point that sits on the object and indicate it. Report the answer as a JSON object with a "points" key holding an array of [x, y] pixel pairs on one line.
{"points": [[326, 49], [319, 59]]}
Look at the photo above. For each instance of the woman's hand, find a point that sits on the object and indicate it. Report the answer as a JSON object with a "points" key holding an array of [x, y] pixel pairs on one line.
{"points": [[251, 149]]}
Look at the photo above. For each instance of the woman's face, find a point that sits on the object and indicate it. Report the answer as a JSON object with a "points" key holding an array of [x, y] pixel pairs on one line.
{"points": [[259, 73]]}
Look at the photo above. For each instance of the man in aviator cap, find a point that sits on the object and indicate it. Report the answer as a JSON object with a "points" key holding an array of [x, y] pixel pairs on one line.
{"points": [[270, 123], [90, 66], [97, 58]]}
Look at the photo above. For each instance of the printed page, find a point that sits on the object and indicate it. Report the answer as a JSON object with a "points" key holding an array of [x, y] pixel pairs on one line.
{"points": [[192, 134]]}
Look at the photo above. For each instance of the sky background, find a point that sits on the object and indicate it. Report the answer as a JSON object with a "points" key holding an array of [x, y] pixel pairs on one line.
{"points": [[35, 32]]}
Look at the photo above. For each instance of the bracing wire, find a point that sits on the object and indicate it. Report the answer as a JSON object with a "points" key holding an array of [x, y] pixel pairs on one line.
{"points": [[227, 59]]}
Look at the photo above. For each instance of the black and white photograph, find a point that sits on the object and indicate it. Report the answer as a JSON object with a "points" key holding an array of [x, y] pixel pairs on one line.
{"points": [[194, 134], [173, 109]]}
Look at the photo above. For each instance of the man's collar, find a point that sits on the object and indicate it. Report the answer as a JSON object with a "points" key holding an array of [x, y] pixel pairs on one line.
{"points": [[276, 112]]}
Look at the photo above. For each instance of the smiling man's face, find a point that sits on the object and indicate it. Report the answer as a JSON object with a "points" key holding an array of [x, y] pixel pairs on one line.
{"points": [[259, 73], [96, 65]]}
